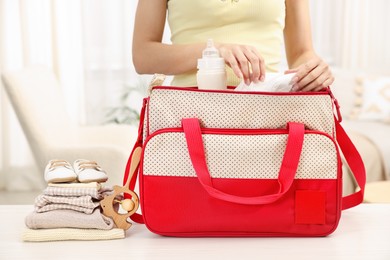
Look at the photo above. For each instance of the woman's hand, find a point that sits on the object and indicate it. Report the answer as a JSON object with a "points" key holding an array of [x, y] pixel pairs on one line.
{"points": [[313, 75], [245, 61]]}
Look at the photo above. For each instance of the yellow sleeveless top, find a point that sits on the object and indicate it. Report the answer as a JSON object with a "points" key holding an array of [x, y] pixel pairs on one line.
{"points": [[259, 23]]}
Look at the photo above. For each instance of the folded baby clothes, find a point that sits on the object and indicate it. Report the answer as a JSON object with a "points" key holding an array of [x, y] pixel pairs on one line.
{"points": [[274, 82], [61, 234], [69, 219], [95, 185], [74, 191], [84, 204]]}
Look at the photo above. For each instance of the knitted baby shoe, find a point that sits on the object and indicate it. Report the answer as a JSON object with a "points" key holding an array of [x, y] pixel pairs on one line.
{"points": [[89, 171], [59, 171]]}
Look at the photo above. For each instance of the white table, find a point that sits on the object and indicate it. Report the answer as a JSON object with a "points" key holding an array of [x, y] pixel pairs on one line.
{"points": [[363, 233]]}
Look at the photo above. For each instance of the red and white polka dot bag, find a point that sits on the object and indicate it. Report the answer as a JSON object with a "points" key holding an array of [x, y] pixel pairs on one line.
{"points": [[231, 163]]}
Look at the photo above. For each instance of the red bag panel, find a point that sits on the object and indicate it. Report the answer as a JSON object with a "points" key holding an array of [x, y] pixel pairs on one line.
{"points": [[170, 208]]}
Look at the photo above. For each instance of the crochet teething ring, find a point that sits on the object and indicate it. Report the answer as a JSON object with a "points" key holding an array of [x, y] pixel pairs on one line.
{"points": [[107, 203]]}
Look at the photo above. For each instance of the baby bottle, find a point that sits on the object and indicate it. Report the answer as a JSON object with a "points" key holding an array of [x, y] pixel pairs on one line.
{"points": [[211, 69]]}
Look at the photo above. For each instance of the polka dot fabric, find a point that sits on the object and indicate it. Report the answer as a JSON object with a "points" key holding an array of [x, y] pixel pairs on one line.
{"points": [[240, 156], [238, 110]]}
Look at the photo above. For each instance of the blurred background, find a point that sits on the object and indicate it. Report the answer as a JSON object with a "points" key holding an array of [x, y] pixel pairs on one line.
{"points": [[87, 45]]}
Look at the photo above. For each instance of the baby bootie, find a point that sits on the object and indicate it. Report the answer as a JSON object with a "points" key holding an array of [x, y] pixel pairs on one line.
{"points": [[89, 171], [59, 171]]}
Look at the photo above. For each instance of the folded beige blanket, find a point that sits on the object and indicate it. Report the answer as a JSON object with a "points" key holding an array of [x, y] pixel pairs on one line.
{"points": [[68, 219], [60, 234]]}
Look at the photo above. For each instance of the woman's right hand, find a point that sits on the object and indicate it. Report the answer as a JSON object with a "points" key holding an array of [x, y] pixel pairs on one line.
{"points": [[245, 61]]}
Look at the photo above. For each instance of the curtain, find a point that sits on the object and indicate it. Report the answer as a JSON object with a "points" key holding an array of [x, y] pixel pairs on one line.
{"points": [[87, 43], [353, 34], [39, 32]]}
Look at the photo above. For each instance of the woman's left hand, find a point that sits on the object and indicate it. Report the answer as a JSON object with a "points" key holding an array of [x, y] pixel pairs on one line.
{"points": [[313, 75]]}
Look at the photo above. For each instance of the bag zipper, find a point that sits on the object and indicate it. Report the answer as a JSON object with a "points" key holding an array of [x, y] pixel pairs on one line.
{"points": [[232, 131], [195, 89]]}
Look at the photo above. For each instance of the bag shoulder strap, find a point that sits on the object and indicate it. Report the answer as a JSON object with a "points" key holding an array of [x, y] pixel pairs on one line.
{"points": [[136, 217], [356, 165], [352, 157]]}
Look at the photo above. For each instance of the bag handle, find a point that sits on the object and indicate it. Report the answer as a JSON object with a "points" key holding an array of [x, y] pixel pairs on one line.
{"points": [[287, 170]]}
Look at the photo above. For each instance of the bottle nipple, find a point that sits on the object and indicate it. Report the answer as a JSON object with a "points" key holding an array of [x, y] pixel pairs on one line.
{"points": [[211, 58], [210, 51]]}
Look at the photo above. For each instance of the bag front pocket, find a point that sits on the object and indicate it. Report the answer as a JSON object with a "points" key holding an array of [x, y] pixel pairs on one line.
{"points": [[239, 181]]}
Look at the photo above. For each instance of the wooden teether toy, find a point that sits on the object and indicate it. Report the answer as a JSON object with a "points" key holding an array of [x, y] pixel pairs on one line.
{"points": [[129, 205]]}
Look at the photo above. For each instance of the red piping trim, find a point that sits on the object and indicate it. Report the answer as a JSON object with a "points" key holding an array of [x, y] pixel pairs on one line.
{"points": [[195, 89]]}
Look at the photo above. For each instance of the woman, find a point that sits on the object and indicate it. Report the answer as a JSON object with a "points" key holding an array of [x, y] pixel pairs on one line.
{"points": [[248, 34]]}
